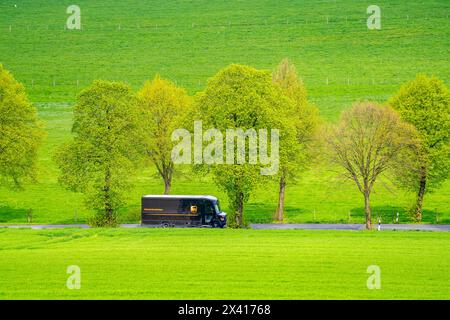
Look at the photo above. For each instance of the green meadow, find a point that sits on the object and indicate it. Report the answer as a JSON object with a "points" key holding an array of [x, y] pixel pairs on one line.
{"points": [[223, 264], [339, 59]]}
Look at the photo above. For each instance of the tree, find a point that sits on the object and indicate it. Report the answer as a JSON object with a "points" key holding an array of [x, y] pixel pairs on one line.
{"points": [[425, 103], [105, 149], [164, 106], [242, 98], [20, 131], [368, 141], [297, 153]]}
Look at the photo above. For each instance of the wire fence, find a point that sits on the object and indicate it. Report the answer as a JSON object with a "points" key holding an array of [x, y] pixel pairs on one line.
{"points": [[332, 80], [388, 20], [326, 81]]}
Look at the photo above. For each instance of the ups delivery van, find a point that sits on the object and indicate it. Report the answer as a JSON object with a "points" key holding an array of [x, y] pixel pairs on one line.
{"points": [[190, 211]]}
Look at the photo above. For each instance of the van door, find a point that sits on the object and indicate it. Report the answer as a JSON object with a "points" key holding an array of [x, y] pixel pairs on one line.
{"points": [[208, 213]]}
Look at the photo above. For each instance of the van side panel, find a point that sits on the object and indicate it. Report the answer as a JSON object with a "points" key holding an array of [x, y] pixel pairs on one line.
{"points": [[172, 211]]}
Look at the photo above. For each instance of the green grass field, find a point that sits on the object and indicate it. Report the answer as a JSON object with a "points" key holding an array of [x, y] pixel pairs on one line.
{"points": [[223, 264], [188, 42]]}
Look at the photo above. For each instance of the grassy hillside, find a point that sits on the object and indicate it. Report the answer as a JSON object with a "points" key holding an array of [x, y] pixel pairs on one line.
{"points": [[188, 41], [223, 264]]}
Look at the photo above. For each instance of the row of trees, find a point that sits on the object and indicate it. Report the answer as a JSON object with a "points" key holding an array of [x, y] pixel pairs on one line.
{"points": [[116, 131], [406, 141]]}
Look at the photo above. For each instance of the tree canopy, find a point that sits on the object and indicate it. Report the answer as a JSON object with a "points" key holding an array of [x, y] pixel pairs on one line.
{"points": [[370, 140], [165, 107], [425, 103], [21, 132], [297, 149], [241, 97], [101, 158]]}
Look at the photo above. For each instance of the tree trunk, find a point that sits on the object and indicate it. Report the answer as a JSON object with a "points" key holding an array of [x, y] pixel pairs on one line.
{"points": [[420, 194], [279, 214], [238, 219], [109, 214], [167, 185], [367, 211]]}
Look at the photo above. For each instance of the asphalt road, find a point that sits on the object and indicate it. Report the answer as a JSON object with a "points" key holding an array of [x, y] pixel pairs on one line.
{"points": [[267, 226]]}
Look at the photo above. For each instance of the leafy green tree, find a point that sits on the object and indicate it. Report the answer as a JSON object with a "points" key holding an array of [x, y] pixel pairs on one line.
{"points": [[425, 103], [165, 107], [297, 153], [368, 141], [105, 149], [240, 97], [20, 131]]}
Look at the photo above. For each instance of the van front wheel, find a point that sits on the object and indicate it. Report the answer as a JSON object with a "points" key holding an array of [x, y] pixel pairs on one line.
{"points": [[216, 224]]}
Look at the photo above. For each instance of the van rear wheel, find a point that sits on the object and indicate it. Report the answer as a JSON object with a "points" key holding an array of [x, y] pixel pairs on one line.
{"points": [[165, 225]]}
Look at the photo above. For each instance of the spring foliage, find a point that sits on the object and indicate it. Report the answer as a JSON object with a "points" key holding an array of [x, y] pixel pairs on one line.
{"points": [[298, 149], [164, 106], [20, 132], [101, 157], [425, 103], [368, 141], [246, 98]]}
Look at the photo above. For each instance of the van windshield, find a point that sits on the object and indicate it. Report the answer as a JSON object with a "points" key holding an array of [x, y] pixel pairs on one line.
{"points": [[217, 207]]}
